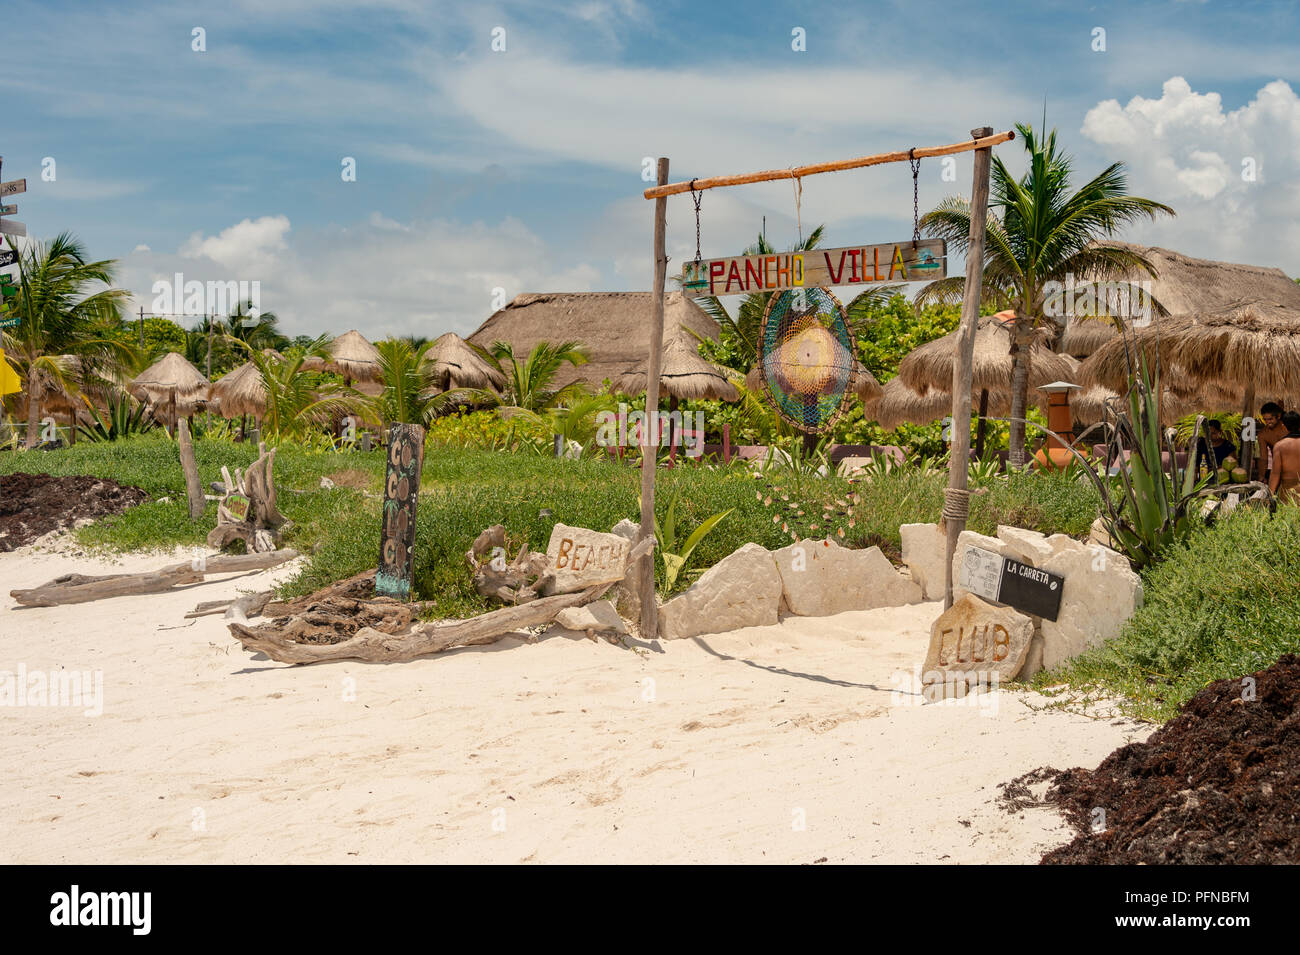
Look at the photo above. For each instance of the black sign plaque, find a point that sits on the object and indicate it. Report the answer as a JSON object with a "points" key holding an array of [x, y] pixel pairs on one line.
{"points": [[1030, 590]]}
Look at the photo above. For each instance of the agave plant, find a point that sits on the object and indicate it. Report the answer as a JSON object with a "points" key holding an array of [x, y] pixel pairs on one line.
{"points": [[675, 554], [122, 418], [1146, 510]]}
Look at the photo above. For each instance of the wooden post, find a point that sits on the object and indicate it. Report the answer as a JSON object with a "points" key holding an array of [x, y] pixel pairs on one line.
{"points": [[979, 433], [645, 572], [207, 419], [726, 444], [961, 370], [397, 532], [193, 487]]}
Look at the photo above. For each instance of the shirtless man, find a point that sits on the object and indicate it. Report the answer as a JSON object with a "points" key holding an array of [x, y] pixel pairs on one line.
{"points": [[1271, 433], [1284, 479]]}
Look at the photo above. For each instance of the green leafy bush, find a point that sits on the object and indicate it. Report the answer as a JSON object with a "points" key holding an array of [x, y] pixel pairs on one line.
{"points": [[1221, 604]]}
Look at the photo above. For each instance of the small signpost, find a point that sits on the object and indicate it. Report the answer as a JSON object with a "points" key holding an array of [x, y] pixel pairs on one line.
{"points": [[859, 265], [7, 257], [12, 188], [401, 487], [1011, 582]]}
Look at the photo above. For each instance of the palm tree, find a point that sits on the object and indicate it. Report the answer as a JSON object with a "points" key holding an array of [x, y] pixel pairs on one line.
{"points": [[62, 310], [1038, 232], [528, 380], [260, 331], [296, 397], [408, 396]]}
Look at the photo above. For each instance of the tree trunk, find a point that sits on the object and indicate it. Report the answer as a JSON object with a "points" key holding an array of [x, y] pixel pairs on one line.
{"points": [[1019, 390], [33, 407], [979, 431]]}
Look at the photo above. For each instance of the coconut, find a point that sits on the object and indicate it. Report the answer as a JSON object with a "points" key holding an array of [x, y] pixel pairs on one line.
{"points": [[1239, 475]]}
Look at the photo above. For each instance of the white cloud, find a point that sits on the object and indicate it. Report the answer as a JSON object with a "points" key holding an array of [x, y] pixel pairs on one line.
{"points": [[243, 245], [380, 276], [1186, 150]]}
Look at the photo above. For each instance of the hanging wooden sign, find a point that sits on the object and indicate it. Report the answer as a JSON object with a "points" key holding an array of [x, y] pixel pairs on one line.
{"points": [[859, 265], [401, 487]]}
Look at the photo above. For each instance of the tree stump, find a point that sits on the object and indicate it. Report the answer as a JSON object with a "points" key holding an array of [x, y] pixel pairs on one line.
{"points": [[247, 510]]}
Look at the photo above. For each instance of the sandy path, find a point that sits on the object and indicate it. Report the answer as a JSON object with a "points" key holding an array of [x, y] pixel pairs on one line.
{"points": [[712, 750]]}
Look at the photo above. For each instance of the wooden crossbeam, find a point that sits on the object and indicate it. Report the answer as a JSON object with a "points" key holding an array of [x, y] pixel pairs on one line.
{"points": [[799, 172]]}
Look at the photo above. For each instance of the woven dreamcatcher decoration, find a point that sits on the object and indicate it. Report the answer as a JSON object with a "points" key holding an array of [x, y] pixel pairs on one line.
{"points": [[806, 358]]}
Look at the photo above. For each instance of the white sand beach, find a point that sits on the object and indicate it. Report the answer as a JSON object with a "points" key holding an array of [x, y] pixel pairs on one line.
{"points": [[784, 744]]}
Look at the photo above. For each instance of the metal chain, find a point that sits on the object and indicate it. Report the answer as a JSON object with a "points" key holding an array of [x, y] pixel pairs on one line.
{"points": [[916, 201], [798, 206], [696, 197]]}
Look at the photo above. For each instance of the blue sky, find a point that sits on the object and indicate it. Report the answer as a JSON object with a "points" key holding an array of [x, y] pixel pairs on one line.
{"points": [[520, 170]]}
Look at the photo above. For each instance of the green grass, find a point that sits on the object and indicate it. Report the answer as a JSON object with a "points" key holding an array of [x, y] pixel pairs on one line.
{"points": [[465, 490], [1223, 605]]}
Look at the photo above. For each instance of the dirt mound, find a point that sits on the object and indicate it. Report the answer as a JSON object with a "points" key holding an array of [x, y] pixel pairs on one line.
{"points": [[1219, 783], [35, 504]]}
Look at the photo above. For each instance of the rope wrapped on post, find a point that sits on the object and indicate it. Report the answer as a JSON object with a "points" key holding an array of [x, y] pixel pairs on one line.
{"points": [[956, 504]]}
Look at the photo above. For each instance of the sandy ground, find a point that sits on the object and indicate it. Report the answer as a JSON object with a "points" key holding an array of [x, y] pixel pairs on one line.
{"points": [[798, 743]]}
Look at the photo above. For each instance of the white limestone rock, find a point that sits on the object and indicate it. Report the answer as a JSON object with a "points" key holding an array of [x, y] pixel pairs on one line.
{"points": [[924, 548], [1101, 592], [741, 590], [820, 578], [597, 617]]}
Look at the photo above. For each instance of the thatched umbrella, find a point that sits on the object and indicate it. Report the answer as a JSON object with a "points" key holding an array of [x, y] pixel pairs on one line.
{"points": [[171, 378], [454, 364], [239, 392], [682, 374], [929, 367], [1250, 347], [898, 404], [353, 357]]}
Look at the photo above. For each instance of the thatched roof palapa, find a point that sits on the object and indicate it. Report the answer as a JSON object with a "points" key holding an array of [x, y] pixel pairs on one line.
{"points": [[1245, 345], [929, 366], [352, 356], [614, 327], [1184, 284], [682, 374], [239, 392], [1085, 334], [171, 372], [900, 404], [454, 364]]}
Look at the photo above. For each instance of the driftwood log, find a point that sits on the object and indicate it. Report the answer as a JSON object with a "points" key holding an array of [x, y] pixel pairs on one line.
{"points": [[79, 588], [391, 634], [247, 510], [516, 582], [193, 487]]}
